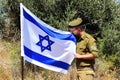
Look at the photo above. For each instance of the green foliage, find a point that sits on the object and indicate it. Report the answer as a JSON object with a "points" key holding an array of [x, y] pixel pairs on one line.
{"points": [[2, 13], [101, 46]]}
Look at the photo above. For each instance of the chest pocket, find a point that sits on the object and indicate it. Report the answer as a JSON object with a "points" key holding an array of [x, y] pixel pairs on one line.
{"points": [[82, 46]]}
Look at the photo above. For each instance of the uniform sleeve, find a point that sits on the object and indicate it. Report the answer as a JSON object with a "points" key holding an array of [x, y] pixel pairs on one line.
{"points": [[92, 47]]}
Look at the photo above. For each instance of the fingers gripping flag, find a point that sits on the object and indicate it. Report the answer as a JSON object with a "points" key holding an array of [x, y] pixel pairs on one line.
{"points": [[44, 45]]}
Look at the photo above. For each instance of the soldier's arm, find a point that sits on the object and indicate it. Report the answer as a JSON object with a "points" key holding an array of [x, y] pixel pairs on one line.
{"points": [[93, 51], [93, 48], [85, 56]]}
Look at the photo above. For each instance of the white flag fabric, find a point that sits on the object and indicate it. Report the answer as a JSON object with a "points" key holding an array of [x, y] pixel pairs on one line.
{"points": [[44, 45]]}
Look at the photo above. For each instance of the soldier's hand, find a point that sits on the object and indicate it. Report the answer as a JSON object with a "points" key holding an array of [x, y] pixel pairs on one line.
{"points": [[78, 56]]}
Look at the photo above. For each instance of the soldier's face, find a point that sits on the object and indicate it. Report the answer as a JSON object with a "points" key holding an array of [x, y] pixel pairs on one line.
{"points": [[75, 31]]}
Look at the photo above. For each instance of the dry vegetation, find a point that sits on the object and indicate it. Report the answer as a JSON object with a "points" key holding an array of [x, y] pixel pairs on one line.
{"points": [[10, 67], [5, 62]]}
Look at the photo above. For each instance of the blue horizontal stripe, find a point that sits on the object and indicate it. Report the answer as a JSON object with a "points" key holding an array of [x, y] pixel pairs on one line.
{"points": [[49, 31], [45, 60]]}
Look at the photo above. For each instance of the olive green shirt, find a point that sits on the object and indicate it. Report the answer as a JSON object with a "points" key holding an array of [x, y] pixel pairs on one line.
{"points": [[86, 45]]}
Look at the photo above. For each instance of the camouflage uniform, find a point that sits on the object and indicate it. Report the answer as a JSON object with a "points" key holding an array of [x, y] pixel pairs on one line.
{"points": [[86, 45], [85, 68]]}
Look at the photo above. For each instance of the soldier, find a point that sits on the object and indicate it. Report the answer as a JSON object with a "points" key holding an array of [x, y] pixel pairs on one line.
{"points": [[86, 51]]}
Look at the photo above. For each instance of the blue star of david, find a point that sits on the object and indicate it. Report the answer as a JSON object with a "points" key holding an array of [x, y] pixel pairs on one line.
{"points": [[41, 43]]}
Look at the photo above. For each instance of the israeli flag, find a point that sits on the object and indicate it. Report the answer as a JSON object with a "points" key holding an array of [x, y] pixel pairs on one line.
{"points": [[44, 45]]}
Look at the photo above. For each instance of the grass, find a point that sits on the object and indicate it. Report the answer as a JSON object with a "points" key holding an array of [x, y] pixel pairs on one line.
{"points": [[10, 67], [5, 62]]}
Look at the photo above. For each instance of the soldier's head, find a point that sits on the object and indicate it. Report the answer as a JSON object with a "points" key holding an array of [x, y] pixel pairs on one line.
{"points": [[76, 26]]}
